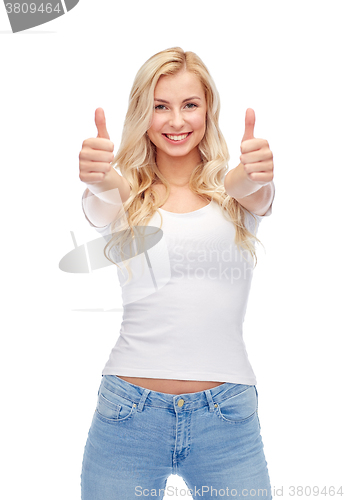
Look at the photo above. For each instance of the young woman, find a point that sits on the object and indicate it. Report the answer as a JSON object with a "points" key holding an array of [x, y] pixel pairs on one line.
{"points": [[178, 394]]}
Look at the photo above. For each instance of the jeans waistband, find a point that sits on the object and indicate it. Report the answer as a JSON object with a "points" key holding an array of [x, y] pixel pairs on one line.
{"points": [[188, 401]]}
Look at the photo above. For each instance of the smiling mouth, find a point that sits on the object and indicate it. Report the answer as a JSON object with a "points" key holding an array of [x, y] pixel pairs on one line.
{"points": [[177, 138]]}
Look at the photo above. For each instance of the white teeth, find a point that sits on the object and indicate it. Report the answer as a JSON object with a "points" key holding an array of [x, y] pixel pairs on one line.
{"points": [[177, 137]]}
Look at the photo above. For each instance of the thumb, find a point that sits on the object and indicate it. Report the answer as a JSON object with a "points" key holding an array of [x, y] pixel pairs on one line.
{"points": [[100, 124], [249, 125]]}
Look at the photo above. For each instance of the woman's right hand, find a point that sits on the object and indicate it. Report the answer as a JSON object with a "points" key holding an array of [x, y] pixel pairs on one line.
{"points": [[96, 153]]}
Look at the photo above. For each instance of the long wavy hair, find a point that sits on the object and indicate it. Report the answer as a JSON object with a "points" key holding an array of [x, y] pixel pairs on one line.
{"points": [[136, 157]]}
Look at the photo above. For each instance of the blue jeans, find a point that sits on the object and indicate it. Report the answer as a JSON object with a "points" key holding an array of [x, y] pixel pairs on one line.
{"points": [[139, 437]]}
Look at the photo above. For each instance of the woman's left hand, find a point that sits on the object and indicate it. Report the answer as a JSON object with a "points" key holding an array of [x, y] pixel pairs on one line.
{"points": [[256, 157]]}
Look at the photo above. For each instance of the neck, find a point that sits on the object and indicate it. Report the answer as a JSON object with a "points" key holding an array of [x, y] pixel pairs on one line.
{"points": [[178, 169]]}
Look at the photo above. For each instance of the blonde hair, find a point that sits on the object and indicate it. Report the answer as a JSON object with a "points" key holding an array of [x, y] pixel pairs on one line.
{"points": [[136, 157]]}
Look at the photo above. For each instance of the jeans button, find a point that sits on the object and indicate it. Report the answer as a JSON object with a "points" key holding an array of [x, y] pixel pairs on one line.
{"points": [[181, 402]]}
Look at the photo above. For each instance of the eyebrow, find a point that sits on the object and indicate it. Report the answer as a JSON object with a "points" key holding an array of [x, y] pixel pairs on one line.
{"points": [[189, 99]]}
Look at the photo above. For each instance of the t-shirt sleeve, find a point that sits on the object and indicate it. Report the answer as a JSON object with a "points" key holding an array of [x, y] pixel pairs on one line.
{"points": [[104, 231], [269, 211], [259, 218]]}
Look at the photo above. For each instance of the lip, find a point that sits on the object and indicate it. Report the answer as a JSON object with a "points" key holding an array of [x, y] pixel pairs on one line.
{"points": [[177, 142]]}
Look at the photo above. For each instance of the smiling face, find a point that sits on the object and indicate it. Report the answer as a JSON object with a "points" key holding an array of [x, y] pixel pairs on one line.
{"points": [[179, 119]]}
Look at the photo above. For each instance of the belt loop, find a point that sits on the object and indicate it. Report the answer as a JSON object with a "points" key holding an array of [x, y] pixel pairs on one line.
{"points": [[209, 399], [143, 399]]}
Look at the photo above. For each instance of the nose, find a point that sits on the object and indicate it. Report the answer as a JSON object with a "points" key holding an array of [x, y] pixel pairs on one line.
{"points": [[176, 120]]}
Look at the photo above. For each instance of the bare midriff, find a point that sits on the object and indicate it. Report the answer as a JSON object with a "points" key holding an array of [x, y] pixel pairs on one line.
{"points": [[170, 386]]}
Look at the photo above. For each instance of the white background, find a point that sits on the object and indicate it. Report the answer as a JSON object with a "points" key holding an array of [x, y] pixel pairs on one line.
{"points": [[283, 59]]}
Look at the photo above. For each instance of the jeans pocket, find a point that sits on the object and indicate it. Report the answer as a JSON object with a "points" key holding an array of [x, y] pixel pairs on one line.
{"points": [[239, 408], [113, 408]]}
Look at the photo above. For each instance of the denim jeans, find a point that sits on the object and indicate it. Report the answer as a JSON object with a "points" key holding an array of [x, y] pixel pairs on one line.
{"points": [[139, 437]]}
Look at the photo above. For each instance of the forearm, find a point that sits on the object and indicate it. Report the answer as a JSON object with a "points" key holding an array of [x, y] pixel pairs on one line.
{"points": [[102, 201], [98, 212], [257, 198], [237, 184], [110, 189]]}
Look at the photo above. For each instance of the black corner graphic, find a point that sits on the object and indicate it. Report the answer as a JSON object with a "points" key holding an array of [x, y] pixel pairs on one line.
{"points": [[24, 15], [70, 4]]}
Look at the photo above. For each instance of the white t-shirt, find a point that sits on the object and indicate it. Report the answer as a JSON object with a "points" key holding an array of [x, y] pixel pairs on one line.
{"points": [[186, 302]]}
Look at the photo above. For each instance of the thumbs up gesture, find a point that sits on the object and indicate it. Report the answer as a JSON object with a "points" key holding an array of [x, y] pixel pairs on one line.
{"points": [[256, 157], [96, 154]]}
